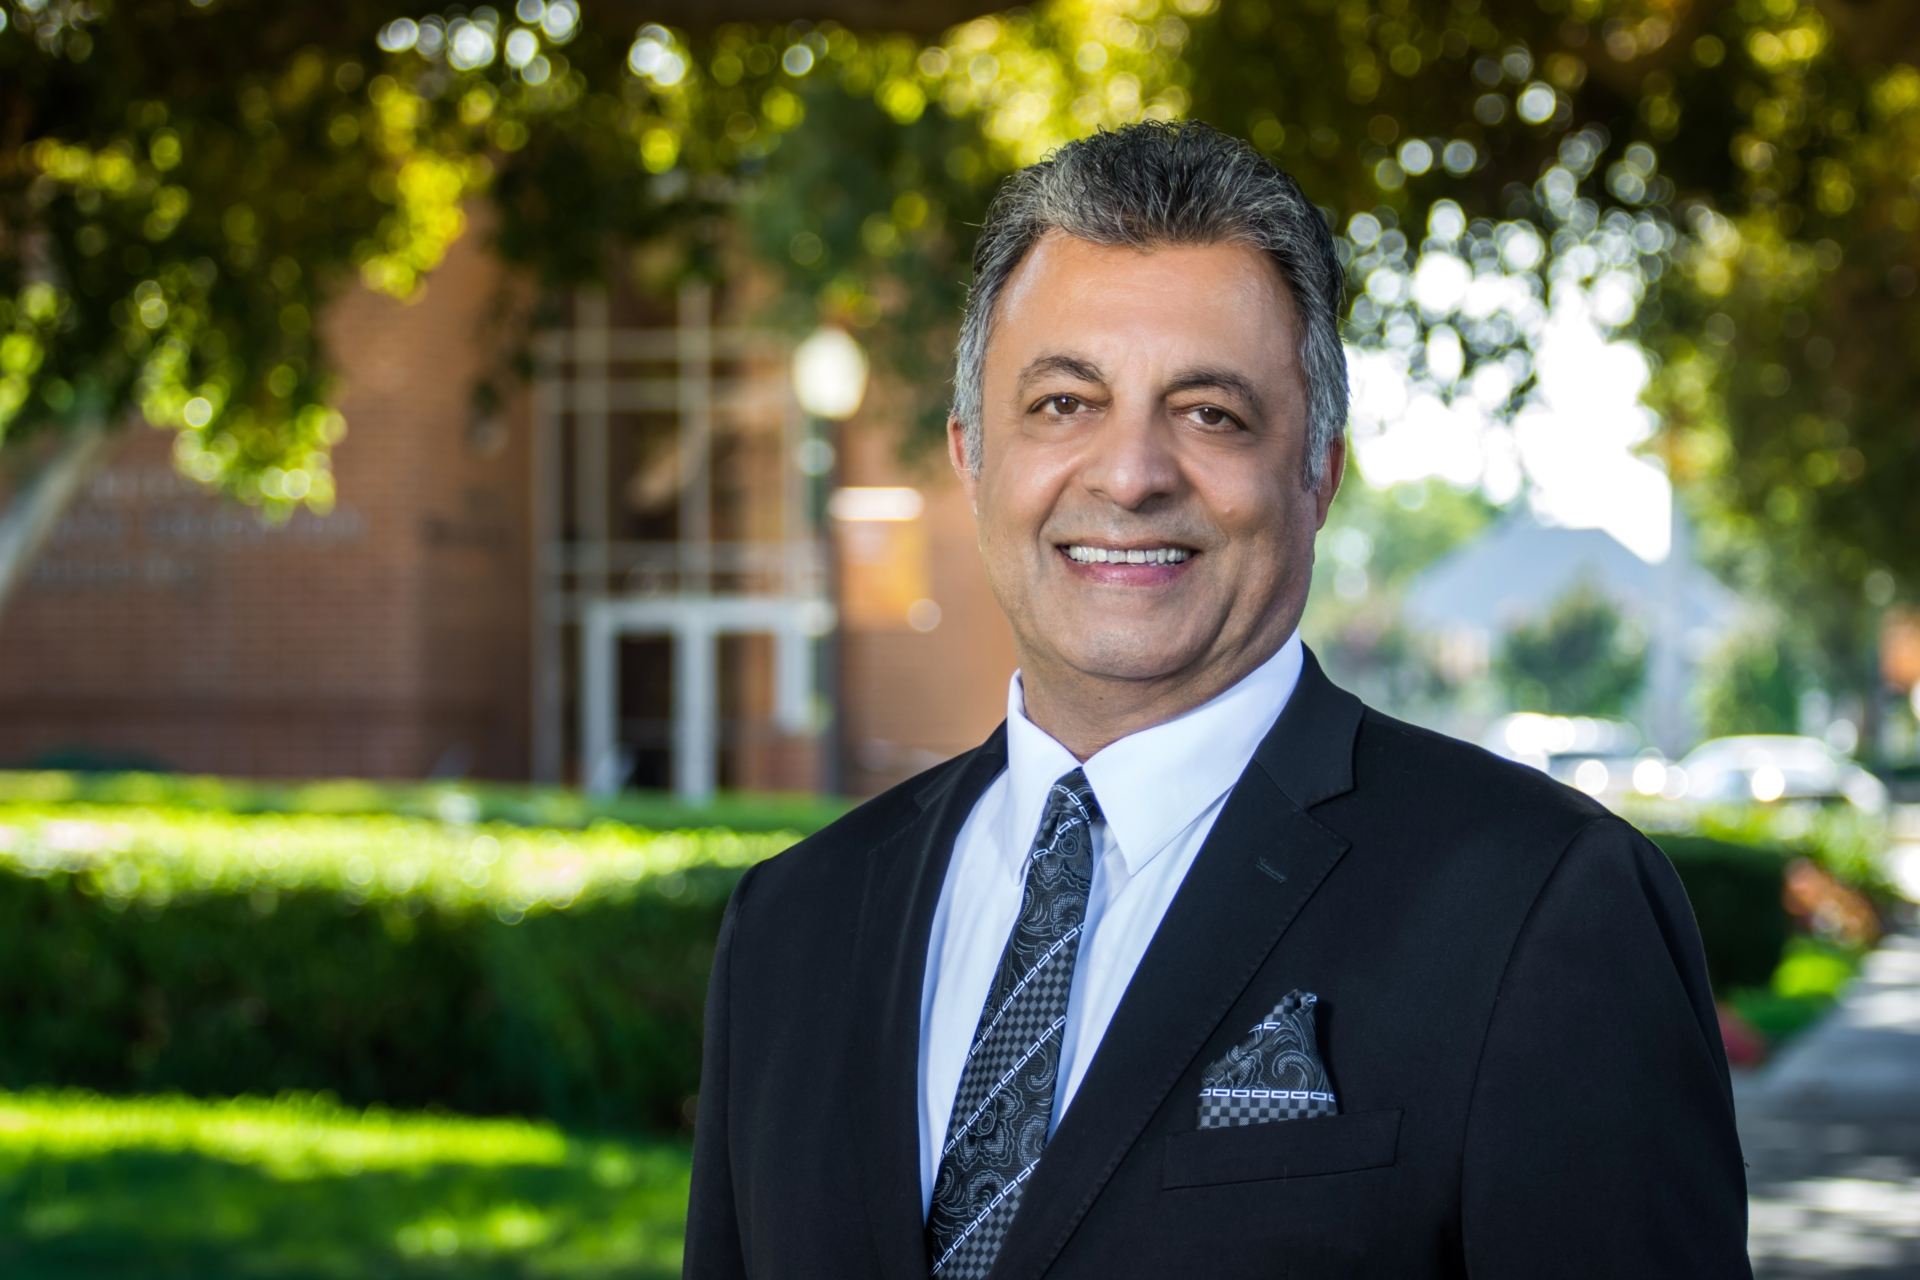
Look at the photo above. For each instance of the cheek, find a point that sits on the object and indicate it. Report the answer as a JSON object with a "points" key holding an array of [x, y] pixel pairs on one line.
{"points": [[1015, 501], [1006, 534], [1272, 525], [1250, 510], [1001, 522]]}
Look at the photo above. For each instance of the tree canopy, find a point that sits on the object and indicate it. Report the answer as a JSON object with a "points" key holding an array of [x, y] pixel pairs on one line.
{"points": [[184, 186], [1579, 659]]}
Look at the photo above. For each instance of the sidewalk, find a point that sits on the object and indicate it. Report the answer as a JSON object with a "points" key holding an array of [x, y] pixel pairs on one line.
{"points": [[1831, 1132]]}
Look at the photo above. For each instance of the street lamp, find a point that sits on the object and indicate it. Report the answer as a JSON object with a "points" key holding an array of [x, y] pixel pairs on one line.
{"points": [[829, 381], [830, 374]]}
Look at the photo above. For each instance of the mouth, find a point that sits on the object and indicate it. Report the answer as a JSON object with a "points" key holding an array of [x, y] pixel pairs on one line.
{"points": [[1141, 564], [1100, 553]]}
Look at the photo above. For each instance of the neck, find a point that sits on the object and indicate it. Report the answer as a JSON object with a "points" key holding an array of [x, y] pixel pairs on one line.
{"points": [[1084, 712]]}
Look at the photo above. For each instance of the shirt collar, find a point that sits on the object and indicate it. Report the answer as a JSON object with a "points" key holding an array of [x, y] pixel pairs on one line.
{"points": [[1153, 783]]}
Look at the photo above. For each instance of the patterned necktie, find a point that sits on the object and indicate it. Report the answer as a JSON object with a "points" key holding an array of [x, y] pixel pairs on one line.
{"points": [[1005, 1100]]}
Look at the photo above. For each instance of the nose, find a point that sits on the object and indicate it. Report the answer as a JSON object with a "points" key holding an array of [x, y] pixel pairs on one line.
{"points": [[1131, 460]]}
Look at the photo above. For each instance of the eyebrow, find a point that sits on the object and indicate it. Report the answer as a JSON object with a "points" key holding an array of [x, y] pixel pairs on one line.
{"points": [[1058, 362], [1206, 376], [1235, 384]]}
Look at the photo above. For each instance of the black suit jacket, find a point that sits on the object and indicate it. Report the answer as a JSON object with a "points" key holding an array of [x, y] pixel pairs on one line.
{"points": [[1514, 1013]]}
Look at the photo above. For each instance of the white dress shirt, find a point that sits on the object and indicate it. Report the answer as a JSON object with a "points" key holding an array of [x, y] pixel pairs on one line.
{"points": [[1159, 792]]}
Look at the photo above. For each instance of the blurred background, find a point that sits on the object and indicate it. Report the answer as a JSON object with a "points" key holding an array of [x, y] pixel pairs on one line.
{"points": [[471, 482]]}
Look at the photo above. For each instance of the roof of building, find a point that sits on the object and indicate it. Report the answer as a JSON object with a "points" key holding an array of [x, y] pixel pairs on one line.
{"points": [[1519, 566]]}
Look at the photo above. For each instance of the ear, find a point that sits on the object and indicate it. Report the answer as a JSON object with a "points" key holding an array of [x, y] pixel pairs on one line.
{"points": [[957, 458], [1330, 482]]}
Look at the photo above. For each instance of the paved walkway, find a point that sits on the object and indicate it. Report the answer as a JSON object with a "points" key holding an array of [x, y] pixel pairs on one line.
{"points": [[1831, 1131]]}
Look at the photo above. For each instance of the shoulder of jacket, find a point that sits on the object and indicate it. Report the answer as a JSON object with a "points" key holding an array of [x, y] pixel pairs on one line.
{"points": [[848, 838], [1458, 784]]}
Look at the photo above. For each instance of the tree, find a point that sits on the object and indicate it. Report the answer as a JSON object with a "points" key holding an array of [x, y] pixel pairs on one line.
{"points": [[1375, 542], [1731, 178], [1752, 684], [1579, 658], [1753, 160], [183, 188], [175, 207], [1734, 175]]}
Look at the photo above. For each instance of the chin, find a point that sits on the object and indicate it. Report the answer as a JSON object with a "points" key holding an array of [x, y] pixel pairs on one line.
{"points": [[1127, 656]]}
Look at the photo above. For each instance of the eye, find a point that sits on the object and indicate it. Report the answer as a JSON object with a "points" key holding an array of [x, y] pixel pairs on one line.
{"points": [[1061, 405], [1214, 416]]}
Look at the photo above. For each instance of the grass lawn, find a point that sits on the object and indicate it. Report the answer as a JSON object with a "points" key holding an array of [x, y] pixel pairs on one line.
{"points": [[1805, 986], [299, 1187]]}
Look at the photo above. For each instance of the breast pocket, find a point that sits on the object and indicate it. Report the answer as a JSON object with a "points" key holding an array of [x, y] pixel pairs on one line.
{"points": [[1281, 1149]]}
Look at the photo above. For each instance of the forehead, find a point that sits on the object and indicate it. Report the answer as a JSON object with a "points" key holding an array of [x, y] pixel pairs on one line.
{"points": [[1222, 299]]}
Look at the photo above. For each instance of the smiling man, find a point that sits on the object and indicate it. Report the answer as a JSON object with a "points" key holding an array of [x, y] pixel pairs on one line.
{"points": [[1142, 512], [1198, 966]]}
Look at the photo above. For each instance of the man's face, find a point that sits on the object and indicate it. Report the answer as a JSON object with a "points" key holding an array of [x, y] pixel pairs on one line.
{"points": [[1147, 402]]}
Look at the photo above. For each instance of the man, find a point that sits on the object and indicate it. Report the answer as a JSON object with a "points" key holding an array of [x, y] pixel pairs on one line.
{"points": [[1198, 966]]}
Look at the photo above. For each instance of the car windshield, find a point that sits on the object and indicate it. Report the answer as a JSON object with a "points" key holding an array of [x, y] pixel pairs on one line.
{"points": [[1789, 755]]}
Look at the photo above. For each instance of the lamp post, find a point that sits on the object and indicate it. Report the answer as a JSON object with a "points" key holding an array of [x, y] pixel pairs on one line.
{"points": [[829, 381]]}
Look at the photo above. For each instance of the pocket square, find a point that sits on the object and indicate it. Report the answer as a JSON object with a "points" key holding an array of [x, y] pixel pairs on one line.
{"points": [[1274, 1074]]}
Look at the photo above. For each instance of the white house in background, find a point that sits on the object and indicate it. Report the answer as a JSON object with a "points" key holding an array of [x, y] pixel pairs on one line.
{"points": [[1469, 599]]}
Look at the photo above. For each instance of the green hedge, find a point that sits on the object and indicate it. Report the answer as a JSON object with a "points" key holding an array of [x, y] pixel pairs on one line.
{"points": [[490, 968], [1735, 893], [159, 943], [1846, 843], [1803, 988], [453, 802]]}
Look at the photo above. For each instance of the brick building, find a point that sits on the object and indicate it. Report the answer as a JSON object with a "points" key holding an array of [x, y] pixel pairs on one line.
{"points": [[481, 571]]}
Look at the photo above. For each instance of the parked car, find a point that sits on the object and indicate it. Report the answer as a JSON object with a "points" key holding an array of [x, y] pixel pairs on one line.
{"points": [[1770, 768], [1604, 758]]}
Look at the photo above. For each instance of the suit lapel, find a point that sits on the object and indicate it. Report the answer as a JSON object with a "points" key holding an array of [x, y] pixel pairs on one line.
{"points": [[1260, 864], [904, 876]]}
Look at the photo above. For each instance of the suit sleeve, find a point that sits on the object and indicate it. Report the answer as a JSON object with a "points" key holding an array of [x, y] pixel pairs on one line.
{"points": [[1600, 1140], [714, 1249]]}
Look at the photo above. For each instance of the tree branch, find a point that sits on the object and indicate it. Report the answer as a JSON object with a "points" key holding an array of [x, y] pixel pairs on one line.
{"points": [[45, 495]]}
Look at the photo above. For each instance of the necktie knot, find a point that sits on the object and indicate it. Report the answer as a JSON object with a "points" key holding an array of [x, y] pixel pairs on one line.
{"points": [[1070, 801]]}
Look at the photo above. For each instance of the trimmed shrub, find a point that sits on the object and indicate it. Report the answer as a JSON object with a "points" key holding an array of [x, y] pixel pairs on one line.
{"points": [[484, 966], [1735, 890], [521, 804], [489, 968]]}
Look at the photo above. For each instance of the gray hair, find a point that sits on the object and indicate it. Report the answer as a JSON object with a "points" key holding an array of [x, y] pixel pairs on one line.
{"points": [[1151, 184]]}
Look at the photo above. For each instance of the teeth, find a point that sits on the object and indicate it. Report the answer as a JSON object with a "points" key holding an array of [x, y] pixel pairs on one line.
{"points": [[1136, 555]]}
